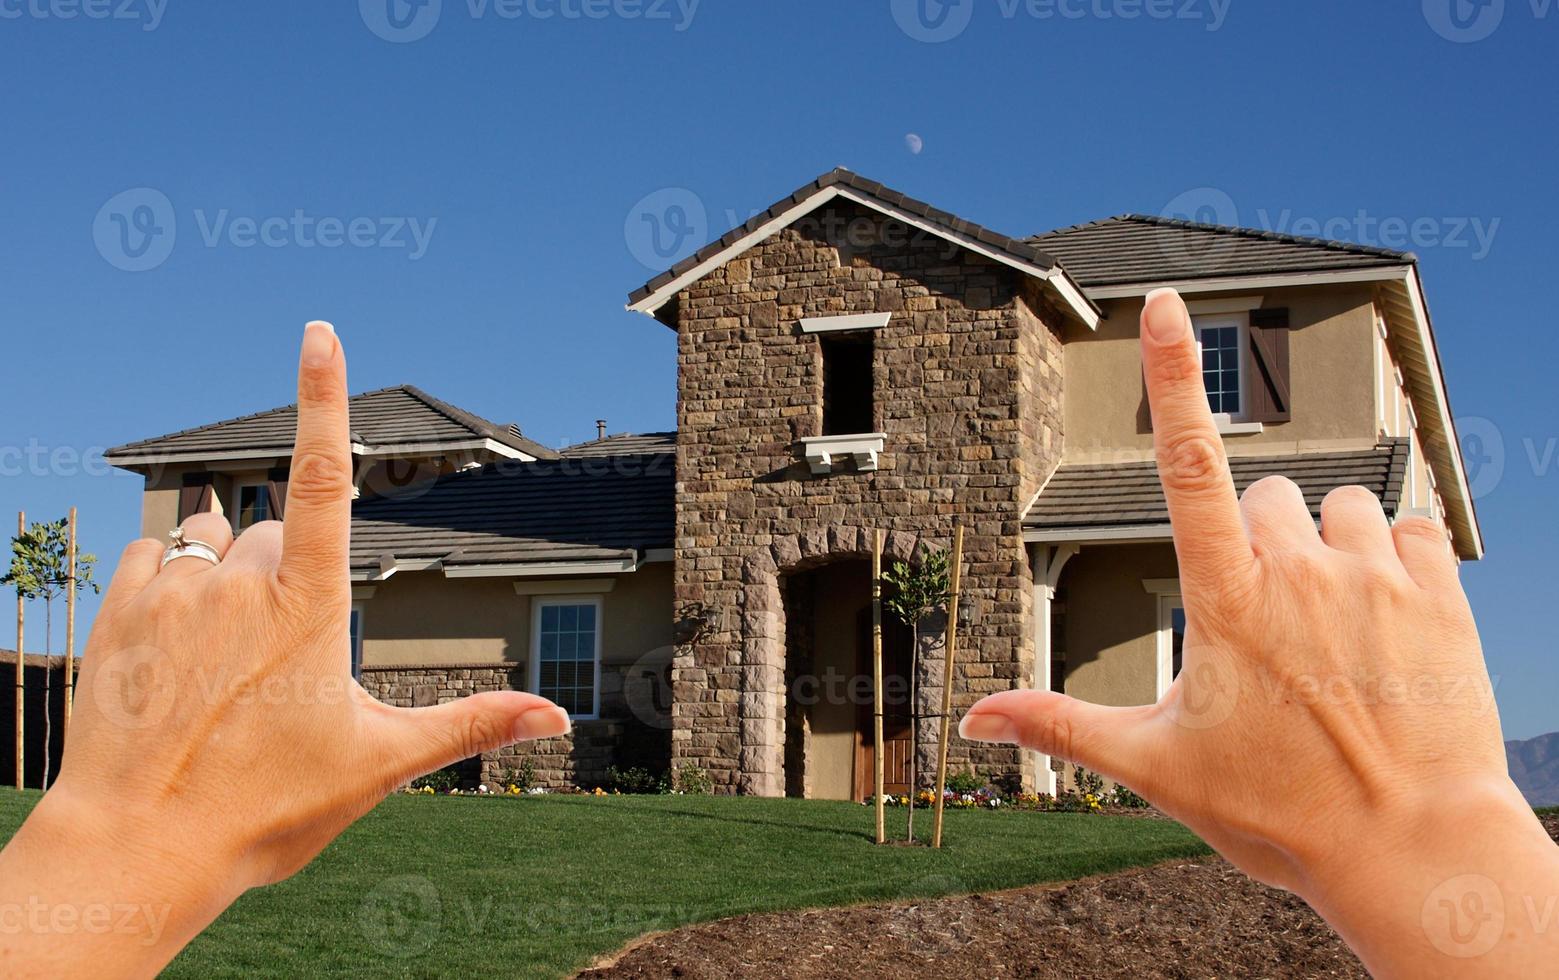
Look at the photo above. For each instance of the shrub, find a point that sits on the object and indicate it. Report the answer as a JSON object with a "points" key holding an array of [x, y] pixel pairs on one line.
{"points": [[694, 781], [1088, 782], [524, 778], [635, 779], [439, 781], [1123, 796], [962, 783]]}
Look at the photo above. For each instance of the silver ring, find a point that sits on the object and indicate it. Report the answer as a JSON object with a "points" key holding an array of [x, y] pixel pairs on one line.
{"points": [[183, 547]]}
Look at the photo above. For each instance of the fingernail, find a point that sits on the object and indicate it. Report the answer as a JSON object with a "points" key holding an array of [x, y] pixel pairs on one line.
{"points": [[319, 343], [988, 727], [1166, 321], [549, 721]]}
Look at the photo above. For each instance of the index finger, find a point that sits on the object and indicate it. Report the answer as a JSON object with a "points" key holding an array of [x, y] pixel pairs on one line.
{"points": [[1204, 511], [317, 516]]}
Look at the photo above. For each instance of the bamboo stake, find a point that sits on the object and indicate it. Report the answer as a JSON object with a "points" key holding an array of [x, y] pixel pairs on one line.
{"points": [[947, 684], [878, 762], [21, 684], [70, 622]]}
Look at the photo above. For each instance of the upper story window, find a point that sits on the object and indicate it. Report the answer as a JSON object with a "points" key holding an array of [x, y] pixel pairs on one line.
{"points": [[254, 505], [847, 383], [1225, 343]]}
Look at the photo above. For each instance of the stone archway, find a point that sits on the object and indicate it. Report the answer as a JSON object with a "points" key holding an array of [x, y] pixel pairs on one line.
{"points": [[763, 631]]}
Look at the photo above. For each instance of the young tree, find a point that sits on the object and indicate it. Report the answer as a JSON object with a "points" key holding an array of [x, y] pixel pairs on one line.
{"points": [[40, 569], [917, 591]]}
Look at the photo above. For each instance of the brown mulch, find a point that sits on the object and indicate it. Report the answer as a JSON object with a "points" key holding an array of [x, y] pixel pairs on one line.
{"points": [[1183, 919]]}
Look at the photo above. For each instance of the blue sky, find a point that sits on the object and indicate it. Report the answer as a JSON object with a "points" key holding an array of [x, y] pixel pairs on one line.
{"points": [[462, 188]]}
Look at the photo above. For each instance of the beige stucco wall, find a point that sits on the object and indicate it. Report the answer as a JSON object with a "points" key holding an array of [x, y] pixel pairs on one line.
{"points": [[1111, 628], [425, 619], [1332, 376]]}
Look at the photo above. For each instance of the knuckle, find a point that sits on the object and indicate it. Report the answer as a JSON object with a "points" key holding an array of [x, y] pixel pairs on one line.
{"points": [[316, 476], [1351, 496], [1173, 368], [1052, 735], [477, 732], [1191, 463], [1419, 527]]}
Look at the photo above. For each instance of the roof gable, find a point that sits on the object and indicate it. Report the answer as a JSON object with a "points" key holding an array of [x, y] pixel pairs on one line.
{"points": [[1020, 255], [1134, 248]]}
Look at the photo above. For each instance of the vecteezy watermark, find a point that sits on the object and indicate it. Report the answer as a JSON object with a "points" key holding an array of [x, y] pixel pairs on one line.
{"points": [[936, 21], [404, 21], [665, 226], [136, 230], [1212, 206], [147, 13], [1468, 21], [37, 459], [40, 918]]}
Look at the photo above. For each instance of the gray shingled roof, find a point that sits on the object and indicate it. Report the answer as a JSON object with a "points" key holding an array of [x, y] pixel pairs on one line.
{"points": [[1134, 248], [623, 444], [1085, 496], [403, 415], [1019, 249], [514, 512]]}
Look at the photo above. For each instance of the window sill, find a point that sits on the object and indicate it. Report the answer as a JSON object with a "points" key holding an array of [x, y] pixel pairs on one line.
{"points": [[1229, 427], [824, 453]]}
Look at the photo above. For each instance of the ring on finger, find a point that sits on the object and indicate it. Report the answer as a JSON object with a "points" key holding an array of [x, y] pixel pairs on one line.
{"points": [[183, 547]]}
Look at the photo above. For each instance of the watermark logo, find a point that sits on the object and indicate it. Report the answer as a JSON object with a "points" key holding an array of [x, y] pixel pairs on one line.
{"points": [[136, 229], [1204, 695], [933, 21], [1200, 205], [665, 227], [1464, 21], [147, 13], [647, 688], [402, 916], [1464, 916], [1483, 454], [401, 21], [135, 688]]}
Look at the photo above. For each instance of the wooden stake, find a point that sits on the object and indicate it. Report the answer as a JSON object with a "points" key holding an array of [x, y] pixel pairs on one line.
{"points": [[70, 622], [947, 684], [878, 762], [21, 684]]}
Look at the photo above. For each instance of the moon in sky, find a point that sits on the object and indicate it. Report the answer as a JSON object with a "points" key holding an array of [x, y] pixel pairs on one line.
{"points": [[914, 142]]}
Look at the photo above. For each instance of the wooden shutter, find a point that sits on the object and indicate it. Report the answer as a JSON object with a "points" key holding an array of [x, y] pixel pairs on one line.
{"points": [[1270, 397], [276, 486], [196, 496]]}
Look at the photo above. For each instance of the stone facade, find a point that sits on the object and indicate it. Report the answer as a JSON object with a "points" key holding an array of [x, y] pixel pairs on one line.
{"points": [[579, 759], [967, 390]]}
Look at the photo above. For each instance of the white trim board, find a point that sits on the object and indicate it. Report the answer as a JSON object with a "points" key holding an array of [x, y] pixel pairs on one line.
{"points": [[1070, 293], [847, 321]]}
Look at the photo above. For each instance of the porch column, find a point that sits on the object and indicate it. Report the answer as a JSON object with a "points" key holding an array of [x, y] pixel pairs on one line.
{"points": [[1046, 561]]}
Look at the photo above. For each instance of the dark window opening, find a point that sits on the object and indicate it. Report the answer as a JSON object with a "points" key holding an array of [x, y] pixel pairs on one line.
{"points": [[847, 384]]}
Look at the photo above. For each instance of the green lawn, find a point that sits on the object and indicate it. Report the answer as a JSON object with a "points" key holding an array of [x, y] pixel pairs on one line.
{"points": [[538, 886]]}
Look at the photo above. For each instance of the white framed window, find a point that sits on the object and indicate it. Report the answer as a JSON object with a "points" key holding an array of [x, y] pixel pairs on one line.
{"points": [[1171, 640], [1224, 340], [355, 631], [566, 653], [252, 504]]}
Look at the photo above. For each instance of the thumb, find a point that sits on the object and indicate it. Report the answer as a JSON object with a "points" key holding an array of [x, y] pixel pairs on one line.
{"points": [[415, 741], [1111, 741]]}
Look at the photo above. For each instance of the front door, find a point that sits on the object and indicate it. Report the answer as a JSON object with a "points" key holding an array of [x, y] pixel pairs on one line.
{"points": [[897, 725]]}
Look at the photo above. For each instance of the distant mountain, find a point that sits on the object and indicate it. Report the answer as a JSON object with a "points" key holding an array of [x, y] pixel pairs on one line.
{"points": [[1534, 765]]}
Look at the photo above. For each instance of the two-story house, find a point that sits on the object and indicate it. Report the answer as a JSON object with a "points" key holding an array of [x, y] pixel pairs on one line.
{"points": [[849, 361]]}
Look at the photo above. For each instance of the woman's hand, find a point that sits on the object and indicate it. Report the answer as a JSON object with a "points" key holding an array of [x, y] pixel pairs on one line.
{"points": [[1333, 729], [219, 740]]}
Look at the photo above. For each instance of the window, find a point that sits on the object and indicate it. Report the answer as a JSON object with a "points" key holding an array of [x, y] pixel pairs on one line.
{"points": [[356, 633], [1225, 342], [1171, 640], [254, 506], [847, 384], [567, 653]]}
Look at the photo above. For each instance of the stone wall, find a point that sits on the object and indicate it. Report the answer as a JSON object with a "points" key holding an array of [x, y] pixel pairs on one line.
{"points": [[580, 758], [967, 378]]}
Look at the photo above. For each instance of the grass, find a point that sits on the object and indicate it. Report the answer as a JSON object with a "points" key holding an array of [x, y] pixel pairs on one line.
{"points": [[540, 886]]}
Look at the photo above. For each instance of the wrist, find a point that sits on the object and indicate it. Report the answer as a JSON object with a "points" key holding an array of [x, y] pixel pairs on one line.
{"points": [[86, 884], [1437, 881]]}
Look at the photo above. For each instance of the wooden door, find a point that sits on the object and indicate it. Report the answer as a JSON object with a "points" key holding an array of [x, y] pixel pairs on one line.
{"points": [[897, 724]]}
